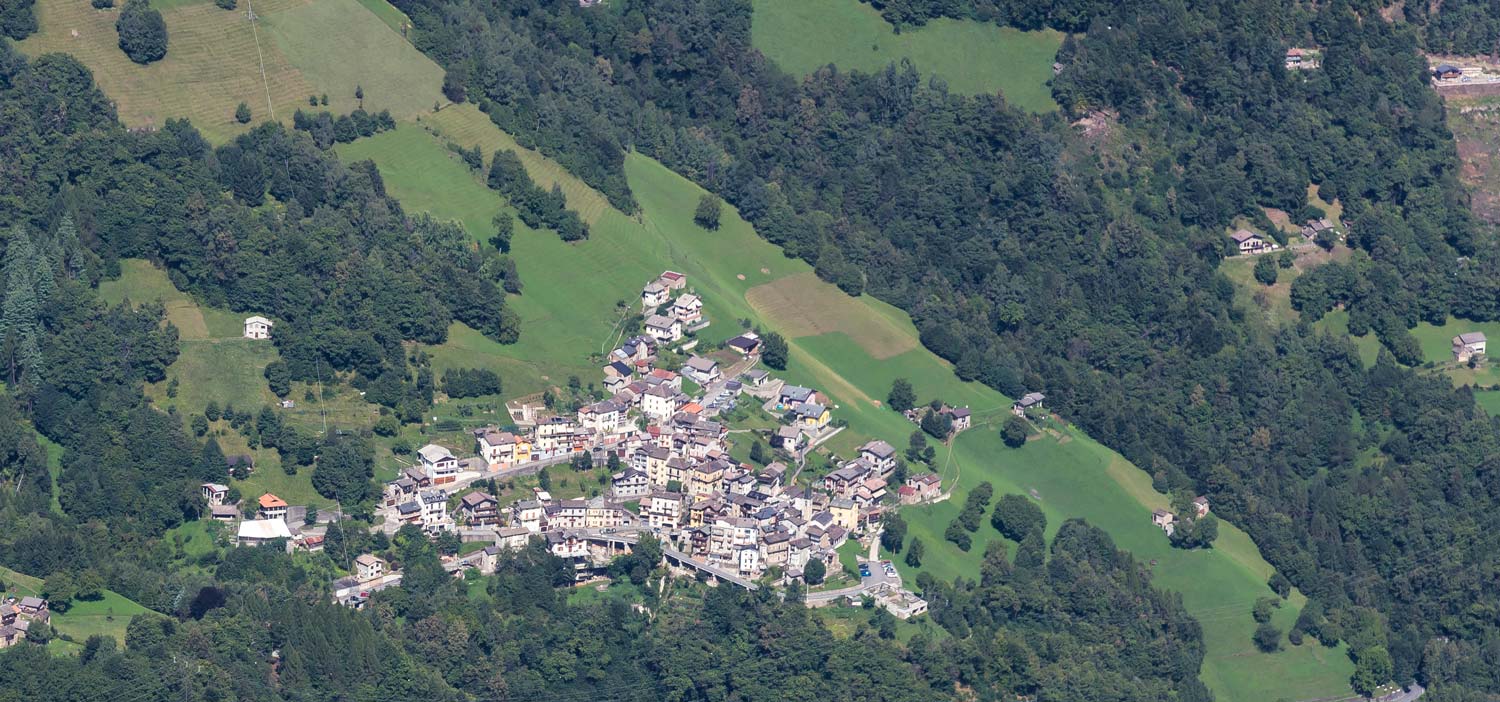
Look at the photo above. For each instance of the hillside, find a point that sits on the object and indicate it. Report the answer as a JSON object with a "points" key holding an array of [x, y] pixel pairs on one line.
{"points": [[852, 348], [216, 60]]}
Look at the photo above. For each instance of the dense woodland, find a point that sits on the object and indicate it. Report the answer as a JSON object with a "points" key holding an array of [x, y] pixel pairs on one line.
{"points": [[1039, 255], [270, 223]]}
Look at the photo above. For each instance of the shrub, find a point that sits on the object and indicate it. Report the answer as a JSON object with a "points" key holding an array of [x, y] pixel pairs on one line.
{"points": [[143, 33]]}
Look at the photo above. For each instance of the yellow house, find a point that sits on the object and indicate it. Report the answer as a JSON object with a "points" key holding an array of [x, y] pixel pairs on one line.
{"points": [[812, 415], [845, 513]]}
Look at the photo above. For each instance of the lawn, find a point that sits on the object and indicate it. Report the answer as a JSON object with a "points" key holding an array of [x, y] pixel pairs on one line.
{"points": [[973, 57]]}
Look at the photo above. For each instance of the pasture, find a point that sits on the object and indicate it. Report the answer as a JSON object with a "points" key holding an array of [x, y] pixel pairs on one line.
{"points": [[215, 60], [972, 57]]}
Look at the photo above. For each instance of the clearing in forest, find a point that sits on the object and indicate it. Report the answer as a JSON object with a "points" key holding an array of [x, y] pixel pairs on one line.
{"points": [[973, 57]]}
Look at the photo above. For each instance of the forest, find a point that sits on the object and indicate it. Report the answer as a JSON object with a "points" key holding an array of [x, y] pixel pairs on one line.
{"points": [[1086, 265]]}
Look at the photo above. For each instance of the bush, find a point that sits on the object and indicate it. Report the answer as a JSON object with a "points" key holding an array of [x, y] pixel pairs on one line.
{"points": [[143, 33], [1267, 638], [1266, 271], [242, 113], [709, 208], [226, 4], [1015, 431], [103, 4], [958, 535]]}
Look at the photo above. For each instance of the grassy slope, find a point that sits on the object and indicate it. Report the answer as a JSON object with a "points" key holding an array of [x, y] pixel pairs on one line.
{"points": [[337, 45], [214, 61], [973, 57], [108, 615], [216, 364], [570, 294]]}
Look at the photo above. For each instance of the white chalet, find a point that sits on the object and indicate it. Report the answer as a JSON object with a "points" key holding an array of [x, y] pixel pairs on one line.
{"points": [[258, 327], [438, 463]]}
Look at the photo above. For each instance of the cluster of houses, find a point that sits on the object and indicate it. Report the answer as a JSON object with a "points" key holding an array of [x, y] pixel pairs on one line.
{"points": [[669, 319], [1167, 522], [676, 473], [17, 616]]}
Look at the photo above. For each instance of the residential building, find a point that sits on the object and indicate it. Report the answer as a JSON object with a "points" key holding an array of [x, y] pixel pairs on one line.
{"points": [[629, 484], [1468, 345], [664, 329], [928, 486], [793, 394], [1163, 519], [224, 513], [512, 538], [845, 514], [756, 377], [605, 417], [811, 416], [479, 508], [706, 478], [399, 490], [368, 567], [271, 507], [434, 505], [688, 309], [879, 455], [1200, 507], [438, 463], [790, 439], [654, 295], [673, 280], [502, 449], [659, 402], [258, 328], [663, 510], [1029, 401], [214, 493], [961, 416], [702, 369], [1248, 242], [528, 515], [556, 434]]}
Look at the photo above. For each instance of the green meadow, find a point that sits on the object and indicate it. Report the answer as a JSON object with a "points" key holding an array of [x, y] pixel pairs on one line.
{"points": [[216, 59], [973, 57], [569, 306], [108, 615]]}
